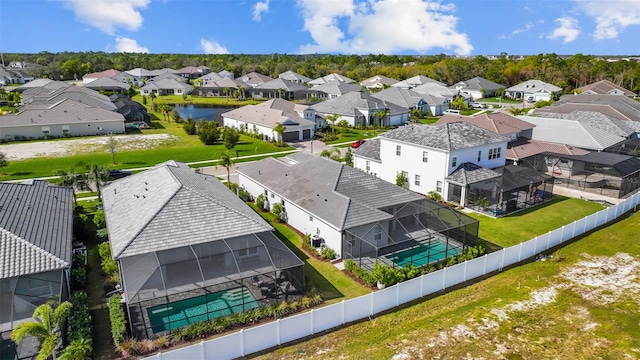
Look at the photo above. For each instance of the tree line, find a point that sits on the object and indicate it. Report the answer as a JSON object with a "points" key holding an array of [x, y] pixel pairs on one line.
{"points": [[568, 72]]}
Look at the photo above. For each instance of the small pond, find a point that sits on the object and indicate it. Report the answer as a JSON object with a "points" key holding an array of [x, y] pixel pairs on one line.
{"points": [[201, 111]]}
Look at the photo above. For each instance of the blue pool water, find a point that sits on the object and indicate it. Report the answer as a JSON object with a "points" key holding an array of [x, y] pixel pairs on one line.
{"points": [[423, 254]]}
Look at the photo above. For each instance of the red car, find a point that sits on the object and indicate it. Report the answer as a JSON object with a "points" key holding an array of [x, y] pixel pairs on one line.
{"points": [[356, 144]]}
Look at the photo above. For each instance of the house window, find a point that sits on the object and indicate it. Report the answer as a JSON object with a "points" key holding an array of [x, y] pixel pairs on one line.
{"points": [[479, 155], [377, 235], [439, 186], [454, 161], [311, 218], [45, 131], [425, 156], [417, 180], [398, 150], [368, 166], [65, 130], [272, 196], [494, 153]]}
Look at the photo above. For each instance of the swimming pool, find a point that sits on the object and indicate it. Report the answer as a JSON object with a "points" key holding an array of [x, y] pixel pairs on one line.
{"points": [[427, 252], [184, 312]]}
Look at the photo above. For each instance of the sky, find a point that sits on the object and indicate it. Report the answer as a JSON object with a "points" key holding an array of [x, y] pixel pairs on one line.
{"points": [[393, 27]]}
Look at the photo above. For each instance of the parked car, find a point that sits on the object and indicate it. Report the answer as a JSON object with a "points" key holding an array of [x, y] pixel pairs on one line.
{"points": [[119, 174], [356, 144], [477, 105]]}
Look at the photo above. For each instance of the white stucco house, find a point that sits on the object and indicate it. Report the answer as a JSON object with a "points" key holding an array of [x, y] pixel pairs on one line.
{"points": [[166, 87], [410, 100], [357, 214], [429, 154], [534, 91], [298, 120], [360, 109], [477, 88]]}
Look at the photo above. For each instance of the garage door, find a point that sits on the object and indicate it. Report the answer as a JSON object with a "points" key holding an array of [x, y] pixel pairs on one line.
{"points": [[306, 134], [290, 136]]}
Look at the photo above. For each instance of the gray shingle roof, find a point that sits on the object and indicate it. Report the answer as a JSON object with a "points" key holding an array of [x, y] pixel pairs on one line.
{"points": [[370, 149], [329, 78], [337, 88], [378, 81], [106, 83], [164, 84], [477, 83], [340, 195], [171, 206], [470, 173], [294, 76], [86, 96], [269, 113], [531, 86], [622, 107], [348, 104], [417, 81], [406, 98], [605, 87], [450, 136], [598, 121], [36, 228], [279, 83], [64, 112]]}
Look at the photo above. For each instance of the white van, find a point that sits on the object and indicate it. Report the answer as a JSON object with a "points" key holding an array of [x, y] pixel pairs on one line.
{"points": [[452, 111]]}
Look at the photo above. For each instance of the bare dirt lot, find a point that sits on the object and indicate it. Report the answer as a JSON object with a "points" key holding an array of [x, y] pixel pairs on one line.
{"points": [[32, 149]]}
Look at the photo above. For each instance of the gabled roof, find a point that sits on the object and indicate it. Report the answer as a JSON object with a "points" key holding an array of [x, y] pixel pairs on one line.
{"points": [[192, 70], [269, 113], [531, 86], [417, 80], [407, 98], [222, 83], [212, 76], [571, 132], [621, 107], [470, 173], [165, 76], [37, 83], [370, 150], [280, 83], [435, 89], [294, 76], [170, 206], [603, 87], [254, 79], [476, 84], [106, 83], [36, 228], [523, 148], [447, 137], [101, 74], [329, 78], [378, 81], [340, 195], [166, 84], [49, 96], [598, 121], [497, 122], [337, 88], [64, 112], [350, 104]]}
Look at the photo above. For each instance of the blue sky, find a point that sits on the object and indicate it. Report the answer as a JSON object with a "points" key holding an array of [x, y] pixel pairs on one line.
{"points": [[456, 27]]}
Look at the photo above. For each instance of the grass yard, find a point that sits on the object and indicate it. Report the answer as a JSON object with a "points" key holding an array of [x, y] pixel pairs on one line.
{"points": [[351, 134], [177, 99], [525, 225], [428, 120], [582, 303], [504, 100]]}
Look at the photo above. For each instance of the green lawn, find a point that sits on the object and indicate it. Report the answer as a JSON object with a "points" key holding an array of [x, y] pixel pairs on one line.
{"points": [[525, 225], [351, 134], [500, 318], [177, 99], [428, 120], [504, 100]]}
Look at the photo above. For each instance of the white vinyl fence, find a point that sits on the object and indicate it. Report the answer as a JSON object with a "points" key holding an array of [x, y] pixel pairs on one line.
{"points": [[295, 327]]}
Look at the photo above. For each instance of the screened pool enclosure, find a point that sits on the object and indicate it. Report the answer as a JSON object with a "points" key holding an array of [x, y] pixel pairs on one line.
{"points": [[168, 289], [421, 232]]}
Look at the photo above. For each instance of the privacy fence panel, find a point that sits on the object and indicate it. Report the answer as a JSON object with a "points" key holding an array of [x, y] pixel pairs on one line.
{"points": [[409, 290], [295, 327], [384, 299], [432, 282], [591, 222], [511, 255], [528, 249], [327, 317], [568, 232], [602, 218], [260, 337], [357, 308], [225, 347], [494, 261], [555, 237], [189, 352], [543, 243], [454, 275], [475, 267], [581, 226]]}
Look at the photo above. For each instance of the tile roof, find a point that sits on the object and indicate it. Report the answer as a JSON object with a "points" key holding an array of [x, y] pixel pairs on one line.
{"points": [[417, 80], [254, 78], [294, 76], [497, 122], [340, 195], [477, 83], [470, 173], [407, 98], [597, 120], [329, 78], [165, 84], [337, 88], [376, 80], [447, 137], [170, 206], [603, 87], [523, 148], [623, 106], [106, 83], [280, 83], [106, 73], [36, 227], [531, 86], [64, 112], [435, 89], [351, 103], [269, 113], [370, 149]]}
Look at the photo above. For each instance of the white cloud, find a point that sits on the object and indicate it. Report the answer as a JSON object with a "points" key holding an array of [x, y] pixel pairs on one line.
{"points": [[568, 30], [526, 28], [259, 8], [109, 15], [212, 47], [381, 26], [612, 17], [127, 45]]}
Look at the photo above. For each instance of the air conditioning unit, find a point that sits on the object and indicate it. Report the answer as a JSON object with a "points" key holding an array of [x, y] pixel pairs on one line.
{"points": [[316, 240]]}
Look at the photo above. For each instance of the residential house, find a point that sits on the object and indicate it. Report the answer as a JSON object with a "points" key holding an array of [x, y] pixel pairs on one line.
{"points": [[332, 89], [360, 216], [328, 78], [227, 74], [108, 84], [183, 240], [433, 156], [294, 77], [378, 82], [605, 87], [166, 87], [37, 83], [497, 122], [439, 90], [167, 76], [209, 78], [145, 74], [298, 120], [135, 114], [477, 88], [51, 94], [254, 79], [408, 99], [615, 106], [36, 235], [87, 78], [221, 87], [534, 91], [416, 81], [279, 88], [192, 72], [127, 78], [65, 118], [360, 109]]}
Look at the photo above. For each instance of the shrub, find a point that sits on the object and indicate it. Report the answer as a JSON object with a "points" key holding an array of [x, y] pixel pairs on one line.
{"points": [[260, 202], [383, 274], [109, 266], [118, 321], [190, 126], [79, 320], [78, 278], [411, 271], [98, 219], [328, 253], [359, 272], [277, 210], [434, 195], [208, 132]]}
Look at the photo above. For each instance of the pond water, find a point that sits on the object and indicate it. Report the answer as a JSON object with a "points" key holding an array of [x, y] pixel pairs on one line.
{"points": [[199, 111]]}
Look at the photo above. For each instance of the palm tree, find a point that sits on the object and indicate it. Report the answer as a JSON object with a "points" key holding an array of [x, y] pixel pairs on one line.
{"points": [[227, 160], [77, 180], [332, 118], [46, 327], [380, 114], [279, 129]]}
